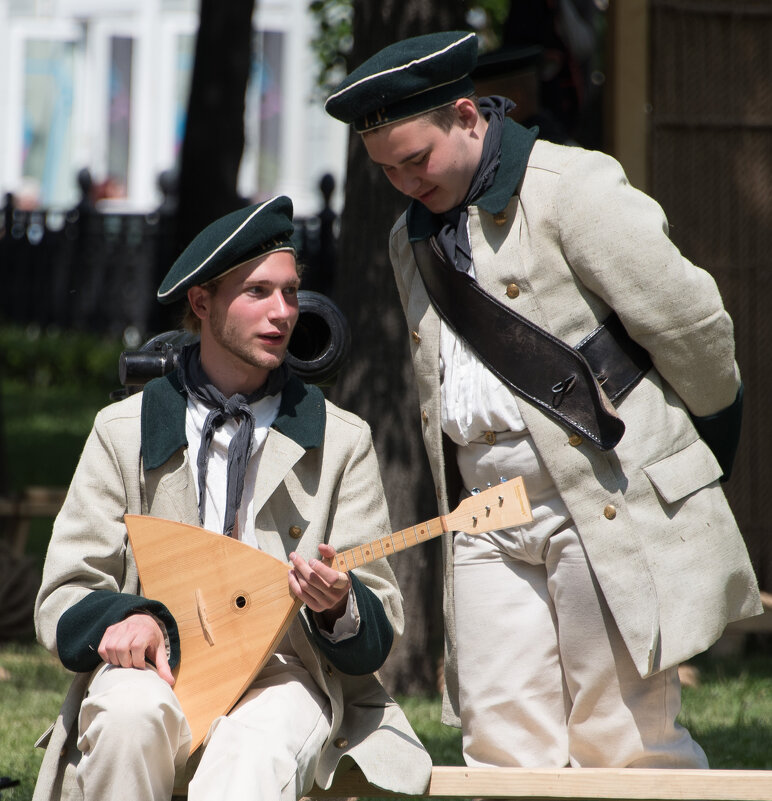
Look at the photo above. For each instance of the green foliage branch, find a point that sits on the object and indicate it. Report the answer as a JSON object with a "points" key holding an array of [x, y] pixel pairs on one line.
{"points": [[333, 39]]}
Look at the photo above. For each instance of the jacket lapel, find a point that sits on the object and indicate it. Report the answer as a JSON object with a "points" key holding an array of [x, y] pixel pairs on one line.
{"points": [[280, 454]]}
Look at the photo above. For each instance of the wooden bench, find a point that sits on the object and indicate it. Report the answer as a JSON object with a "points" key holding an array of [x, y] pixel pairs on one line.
{"points": [[30, 503], [628, 784]]}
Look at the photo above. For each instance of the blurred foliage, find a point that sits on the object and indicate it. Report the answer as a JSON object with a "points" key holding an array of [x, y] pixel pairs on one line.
{"points": [[334, 23], [52, 383], [52, 357], [332, 41]]}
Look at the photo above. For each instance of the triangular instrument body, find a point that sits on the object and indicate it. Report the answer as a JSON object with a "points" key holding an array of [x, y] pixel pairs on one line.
{"points": [[232, 604]]}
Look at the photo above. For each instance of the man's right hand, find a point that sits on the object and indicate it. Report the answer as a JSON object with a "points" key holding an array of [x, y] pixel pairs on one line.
{"points": [[135, 641]]}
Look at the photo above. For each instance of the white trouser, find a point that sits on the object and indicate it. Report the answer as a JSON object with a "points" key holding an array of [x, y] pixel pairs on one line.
{"points": [[545, 679], [135, 740]]}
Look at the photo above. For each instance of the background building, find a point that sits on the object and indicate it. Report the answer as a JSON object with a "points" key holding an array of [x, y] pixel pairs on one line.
{"points": [[103, 84]]}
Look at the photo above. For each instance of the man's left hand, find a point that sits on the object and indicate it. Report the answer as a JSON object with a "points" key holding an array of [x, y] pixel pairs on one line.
{"points": [[321, 587]]}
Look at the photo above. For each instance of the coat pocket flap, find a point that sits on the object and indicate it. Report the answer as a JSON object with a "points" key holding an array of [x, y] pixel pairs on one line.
{"points": [[684, 472]]}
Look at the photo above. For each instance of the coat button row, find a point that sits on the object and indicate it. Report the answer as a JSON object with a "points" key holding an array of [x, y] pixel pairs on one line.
{"points": [[340, 742], [513, 290], [416, 337], [295, 532], [610, 512]]}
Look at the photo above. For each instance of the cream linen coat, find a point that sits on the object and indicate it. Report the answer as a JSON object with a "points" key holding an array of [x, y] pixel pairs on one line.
{"points": [[332, 491], [578, 241]]}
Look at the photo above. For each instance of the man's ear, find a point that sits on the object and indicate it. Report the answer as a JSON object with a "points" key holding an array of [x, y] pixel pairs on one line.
{"points": [[199, 299], [468, 115]]}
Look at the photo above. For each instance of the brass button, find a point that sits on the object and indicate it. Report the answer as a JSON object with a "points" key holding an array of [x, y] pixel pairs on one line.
{"points": [[575, 440], [490, 437], [513, 290], [500, 217], [295, 532], [610, 512], [416, 337], [328, 669], [63, 752], [340, 742], [425, 416]]}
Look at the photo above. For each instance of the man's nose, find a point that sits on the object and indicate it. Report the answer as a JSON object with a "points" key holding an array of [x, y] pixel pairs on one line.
{"points": [[409, 183], [281, 308]]}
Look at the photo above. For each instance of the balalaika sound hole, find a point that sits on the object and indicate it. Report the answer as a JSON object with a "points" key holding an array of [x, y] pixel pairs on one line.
{"points": [[240, 601]]}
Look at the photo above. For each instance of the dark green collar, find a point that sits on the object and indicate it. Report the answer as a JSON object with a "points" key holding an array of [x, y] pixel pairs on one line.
{"points": [[164, 402], [516, 145]]}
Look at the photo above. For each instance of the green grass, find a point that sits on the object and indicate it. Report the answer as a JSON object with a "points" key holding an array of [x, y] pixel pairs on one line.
{"points": [[729, 714], [45, 428], [30, 698], [44, 431]]}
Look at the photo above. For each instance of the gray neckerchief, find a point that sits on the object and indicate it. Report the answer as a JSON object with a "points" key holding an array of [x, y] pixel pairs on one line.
{"points": [[453, 236], [198, 384]]}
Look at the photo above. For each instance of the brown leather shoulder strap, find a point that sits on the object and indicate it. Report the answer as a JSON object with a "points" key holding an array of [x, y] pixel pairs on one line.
{"points": [[539, 367]]}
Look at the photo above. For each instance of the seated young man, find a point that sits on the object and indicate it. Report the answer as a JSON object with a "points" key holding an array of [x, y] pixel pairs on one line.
{"points": [[232, 442]]}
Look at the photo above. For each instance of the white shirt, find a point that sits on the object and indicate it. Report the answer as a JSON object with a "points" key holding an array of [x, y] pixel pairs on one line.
{"points": [[474, 403], [473, 399]]}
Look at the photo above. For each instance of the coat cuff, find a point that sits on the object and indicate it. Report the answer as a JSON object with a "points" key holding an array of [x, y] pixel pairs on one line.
{"points": [[721, 432], [367, 650], [82, 626]]}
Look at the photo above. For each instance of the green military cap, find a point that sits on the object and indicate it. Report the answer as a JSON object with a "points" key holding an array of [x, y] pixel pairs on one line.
{"points": [[405, 79], [228, 242]]}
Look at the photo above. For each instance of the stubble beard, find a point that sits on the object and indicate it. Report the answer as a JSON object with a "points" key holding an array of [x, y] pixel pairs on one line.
{"points": [[228, 339]]}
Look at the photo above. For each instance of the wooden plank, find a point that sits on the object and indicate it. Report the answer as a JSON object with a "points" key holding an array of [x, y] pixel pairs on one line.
{"points": [[20, 509], [610, 784], [33, 502]]}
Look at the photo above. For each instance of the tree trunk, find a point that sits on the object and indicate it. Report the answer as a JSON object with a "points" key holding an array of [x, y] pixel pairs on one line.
{"points": [[214, 129], [378, 383]]}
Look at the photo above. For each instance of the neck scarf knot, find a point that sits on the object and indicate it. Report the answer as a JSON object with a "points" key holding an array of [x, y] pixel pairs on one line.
{"points": [[237, 407], [453, 236]]}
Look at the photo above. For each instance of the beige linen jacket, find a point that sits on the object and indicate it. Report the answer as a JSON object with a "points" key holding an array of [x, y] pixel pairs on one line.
{"points": [[331, 491], [576, 242]]}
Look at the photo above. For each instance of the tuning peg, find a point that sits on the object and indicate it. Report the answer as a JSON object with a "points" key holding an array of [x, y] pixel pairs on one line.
{"points": [[476, 491]]}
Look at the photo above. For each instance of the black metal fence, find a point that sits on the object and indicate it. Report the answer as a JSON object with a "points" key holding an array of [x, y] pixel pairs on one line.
{"points": [[90, 270]]}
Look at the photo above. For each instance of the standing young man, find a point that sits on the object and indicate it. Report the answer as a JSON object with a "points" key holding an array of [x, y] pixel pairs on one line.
{"points": [[234, 443], [563, 637]]}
